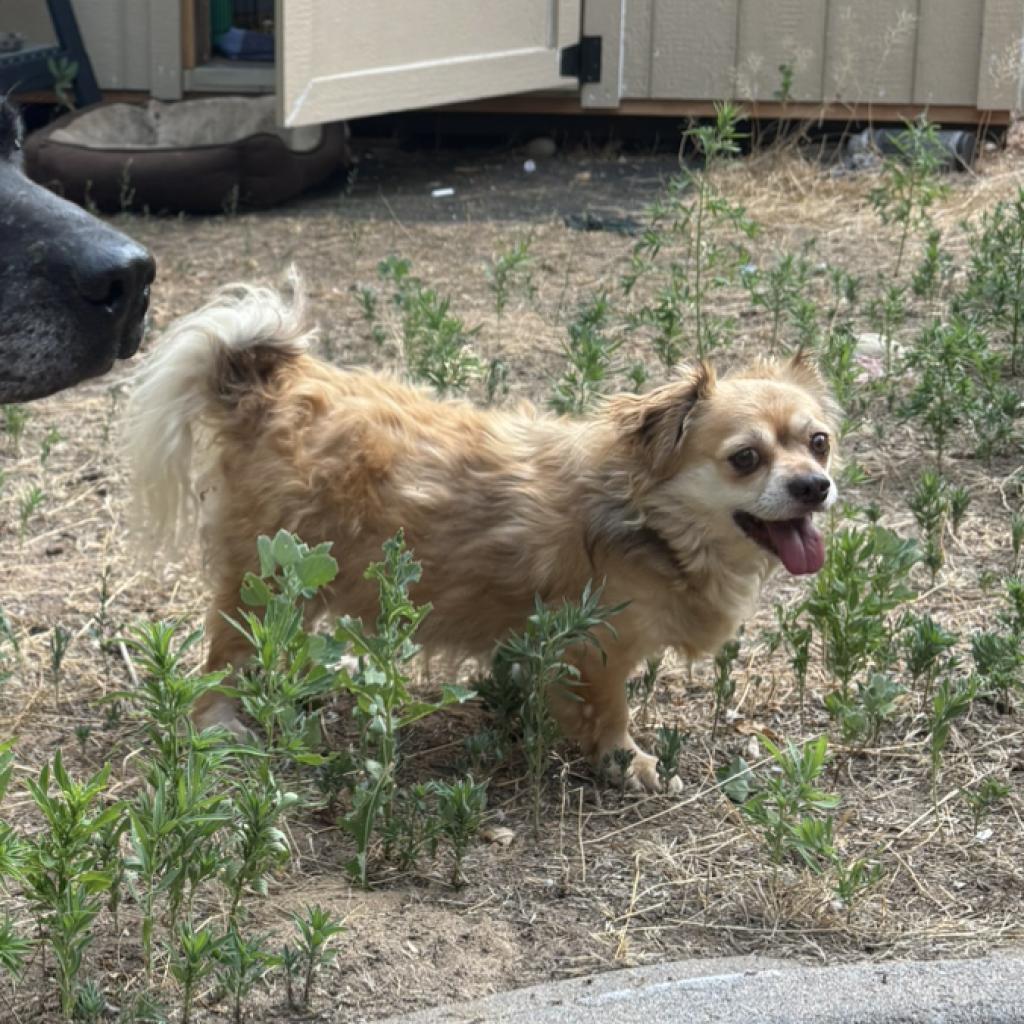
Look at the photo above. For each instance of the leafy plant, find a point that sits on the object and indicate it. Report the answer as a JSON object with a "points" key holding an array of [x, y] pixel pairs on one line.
{"points": [[367, 303], [863, 580], [509, 268], [384, 705], [934, 270], [854, 878], [316, 929], [724, 685], [591, 359], [90, 1004], [61, 873], [175, 821], [735, 779], [29, 503], [925, 643], [241, 965], [784, 93], [642, 687], [787, 805], [496, 382], [779, 290], [540, 665], [15, 420], [437, 344], [460, 810], [951, 701], [668, 746], [887, 312], [63, 70], [368, 307], [60, 639], [946, 358], [413, 830], [167, 690], [862, 717], [993, 293], [701, 235], [13, 853], [986, 795], [290, 668], [14, 948], [910, 183], [51, 438], [999, 664], [194, 958], [258, 843], [935, 503]]}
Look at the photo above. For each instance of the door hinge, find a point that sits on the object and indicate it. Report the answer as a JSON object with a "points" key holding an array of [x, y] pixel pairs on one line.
{"points": [[582, 60]]}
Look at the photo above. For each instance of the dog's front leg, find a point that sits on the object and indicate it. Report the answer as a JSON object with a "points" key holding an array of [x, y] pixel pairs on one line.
{"points": [[596, 715]]}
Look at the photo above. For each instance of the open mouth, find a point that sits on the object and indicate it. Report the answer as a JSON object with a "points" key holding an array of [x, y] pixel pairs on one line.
{"points": [[797, 542]]}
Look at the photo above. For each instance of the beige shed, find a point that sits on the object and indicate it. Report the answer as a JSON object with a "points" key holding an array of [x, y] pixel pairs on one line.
{"points": [[337, 59]]}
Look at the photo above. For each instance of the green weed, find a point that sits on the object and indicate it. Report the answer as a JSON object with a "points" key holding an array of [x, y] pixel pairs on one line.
{"points": [[460, 810], [983, 798], [316, 928], [538, 665], [787, 805], [590, 355], [15, 418], [384, 704], [508, 269], [693, 246]]}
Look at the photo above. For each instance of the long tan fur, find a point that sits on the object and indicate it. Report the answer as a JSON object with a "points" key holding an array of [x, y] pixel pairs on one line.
{"points": [[499, 506]]}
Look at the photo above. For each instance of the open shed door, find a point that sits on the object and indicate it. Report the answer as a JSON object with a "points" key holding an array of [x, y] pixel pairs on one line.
{"points": [[338, 59]]}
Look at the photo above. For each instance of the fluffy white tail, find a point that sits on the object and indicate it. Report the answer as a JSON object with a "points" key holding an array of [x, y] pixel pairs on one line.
{"points": [[186, 381]]}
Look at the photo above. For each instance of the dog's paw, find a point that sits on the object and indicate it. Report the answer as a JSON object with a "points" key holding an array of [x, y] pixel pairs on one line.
{"points": [[644, 776], [223, 716], [641, 770]]}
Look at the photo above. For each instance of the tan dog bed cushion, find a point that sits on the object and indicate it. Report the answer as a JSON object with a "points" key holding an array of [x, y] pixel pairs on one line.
{"points": [[200, 156]]}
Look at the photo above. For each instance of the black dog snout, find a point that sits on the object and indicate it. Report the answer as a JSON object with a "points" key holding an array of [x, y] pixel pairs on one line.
{"points": [[811, 489]]}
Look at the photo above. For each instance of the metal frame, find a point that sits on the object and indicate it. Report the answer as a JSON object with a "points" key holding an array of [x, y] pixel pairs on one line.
{"points": [[29, 68]]}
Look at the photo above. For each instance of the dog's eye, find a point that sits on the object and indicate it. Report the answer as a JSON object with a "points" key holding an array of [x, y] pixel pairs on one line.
{"points": [[819, 444], [745, 460]]}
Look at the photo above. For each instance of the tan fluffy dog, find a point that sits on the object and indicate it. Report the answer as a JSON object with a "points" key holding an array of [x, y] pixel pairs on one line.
{"points": [[681, 501]]}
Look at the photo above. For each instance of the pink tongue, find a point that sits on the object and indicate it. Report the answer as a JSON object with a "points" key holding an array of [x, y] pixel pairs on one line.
{"points": [[798, 544]]}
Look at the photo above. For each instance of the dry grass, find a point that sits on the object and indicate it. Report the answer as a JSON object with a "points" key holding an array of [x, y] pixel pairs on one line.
{"points": [[615, 880]]}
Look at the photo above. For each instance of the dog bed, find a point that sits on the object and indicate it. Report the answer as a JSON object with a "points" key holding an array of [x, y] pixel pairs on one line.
{"points": [[199, 156]]}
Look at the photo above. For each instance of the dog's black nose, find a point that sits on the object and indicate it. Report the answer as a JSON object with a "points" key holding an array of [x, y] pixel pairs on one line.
{"points": [[115, 277], [811, 489]]}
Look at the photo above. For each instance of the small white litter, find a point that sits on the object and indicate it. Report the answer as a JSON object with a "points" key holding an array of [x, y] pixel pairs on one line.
{"points": [[442, 193]]}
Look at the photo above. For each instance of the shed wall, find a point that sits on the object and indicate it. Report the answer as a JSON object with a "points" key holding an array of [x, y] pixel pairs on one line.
{"points": [[942, 52], [950, 52]]}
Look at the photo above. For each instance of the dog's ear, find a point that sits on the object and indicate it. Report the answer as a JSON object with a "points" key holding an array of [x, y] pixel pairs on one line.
{"points": [[656, 423], [803, 371]]}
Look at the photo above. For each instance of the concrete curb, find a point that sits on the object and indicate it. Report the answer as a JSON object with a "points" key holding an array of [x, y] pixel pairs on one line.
{"points": [[748, 990]]}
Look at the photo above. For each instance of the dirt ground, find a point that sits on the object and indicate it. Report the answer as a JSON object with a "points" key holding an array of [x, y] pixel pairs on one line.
{"points": [[614, 880]]}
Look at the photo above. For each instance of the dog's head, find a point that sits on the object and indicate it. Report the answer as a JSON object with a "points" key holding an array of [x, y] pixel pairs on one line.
{"points": [[743, 462], [73, 291]]}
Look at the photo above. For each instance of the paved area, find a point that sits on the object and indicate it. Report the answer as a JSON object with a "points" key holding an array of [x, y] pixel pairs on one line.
{"points": [[746, 990]]}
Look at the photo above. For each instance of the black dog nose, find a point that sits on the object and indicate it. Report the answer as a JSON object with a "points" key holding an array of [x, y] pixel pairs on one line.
{"points": [[115, 278], [810, 489]]}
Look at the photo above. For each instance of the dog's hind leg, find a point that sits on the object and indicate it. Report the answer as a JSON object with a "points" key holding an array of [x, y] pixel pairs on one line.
{"points": [[227, 647], [596, 715]]}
